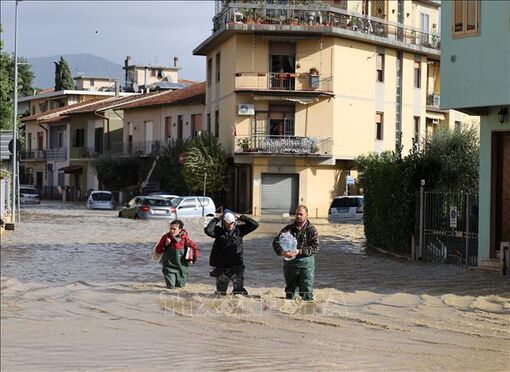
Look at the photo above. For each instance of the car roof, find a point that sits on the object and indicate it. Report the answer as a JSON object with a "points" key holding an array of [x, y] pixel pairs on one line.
{"points": [[101, 191], [27, 186], [156, 197], [349, 196]]}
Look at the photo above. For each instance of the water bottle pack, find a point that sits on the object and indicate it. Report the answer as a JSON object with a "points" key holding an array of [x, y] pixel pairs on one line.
{"points": [[288, 243]]}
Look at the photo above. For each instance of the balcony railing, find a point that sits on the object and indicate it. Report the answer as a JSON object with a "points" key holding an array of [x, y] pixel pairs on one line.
{"points": [[122, 148], [283, 82], [56, 153], [318, 18], [266, 144], [433, 100]]}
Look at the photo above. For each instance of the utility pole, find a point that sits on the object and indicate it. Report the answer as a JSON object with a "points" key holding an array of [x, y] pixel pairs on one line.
{"points": [[15, 120]]}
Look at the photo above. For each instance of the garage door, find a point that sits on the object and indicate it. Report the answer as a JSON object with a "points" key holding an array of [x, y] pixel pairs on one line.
{"points": [[279, 193]]}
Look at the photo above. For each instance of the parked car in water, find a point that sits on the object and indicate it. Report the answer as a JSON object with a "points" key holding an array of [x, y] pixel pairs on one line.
{"points": [[193, 206], [346, 208], [101, 200], [164, 194], [28, 194], [144, 207]]}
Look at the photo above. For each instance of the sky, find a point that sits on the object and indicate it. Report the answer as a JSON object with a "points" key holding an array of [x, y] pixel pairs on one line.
{"points": [[151, 32]]}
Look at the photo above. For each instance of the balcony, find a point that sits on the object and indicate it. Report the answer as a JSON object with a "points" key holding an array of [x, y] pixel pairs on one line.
{"points": [[311, 18], [283, 145], [56, 153], [287, 82]]}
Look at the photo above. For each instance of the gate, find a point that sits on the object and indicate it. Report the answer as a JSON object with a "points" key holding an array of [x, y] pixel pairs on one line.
{"points": [[447, 227]]}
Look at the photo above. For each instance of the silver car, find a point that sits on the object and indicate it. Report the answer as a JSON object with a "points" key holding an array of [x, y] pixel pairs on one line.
{"points": [[29, 195], [101, 200], [145, 207], [346, 208], [194, 206]]}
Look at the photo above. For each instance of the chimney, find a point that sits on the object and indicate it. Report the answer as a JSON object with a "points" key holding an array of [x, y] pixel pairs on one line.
{"points": [[116, 88], [176, 59], [127, 61]]}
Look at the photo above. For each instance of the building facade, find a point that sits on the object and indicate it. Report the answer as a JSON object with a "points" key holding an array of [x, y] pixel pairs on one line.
{"points": [[476, 80], [297, 90]]}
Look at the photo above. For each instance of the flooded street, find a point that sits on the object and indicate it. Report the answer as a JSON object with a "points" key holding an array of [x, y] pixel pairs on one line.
{"points": [[79, 291]]}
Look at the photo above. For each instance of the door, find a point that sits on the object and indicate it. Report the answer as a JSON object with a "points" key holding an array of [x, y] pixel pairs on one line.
{"points": [[502, 190], [279, 193], [149, 136], [188, 208], [424, 26], [39, 180]]}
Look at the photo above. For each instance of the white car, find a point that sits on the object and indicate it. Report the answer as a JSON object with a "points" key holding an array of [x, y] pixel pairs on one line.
{"points": [[346, 208], [101, 200], [193, 206], [29, 195]]}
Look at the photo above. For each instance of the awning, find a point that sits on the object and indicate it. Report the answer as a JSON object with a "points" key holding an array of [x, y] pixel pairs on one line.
{"points": [[434, 115], [71, 169]]}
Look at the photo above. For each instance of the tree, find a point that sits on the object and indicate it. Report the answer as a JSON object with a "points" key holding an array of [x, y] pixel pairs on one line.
{"points": [[25, 78], [205, 155], [63, 77], [170, 168], [121, 173]]}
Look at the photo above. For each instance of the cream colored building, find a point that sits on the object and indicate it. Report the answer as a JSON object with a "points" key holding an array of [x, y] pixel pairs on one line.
{"points": [[297, 90], [139, 76]]}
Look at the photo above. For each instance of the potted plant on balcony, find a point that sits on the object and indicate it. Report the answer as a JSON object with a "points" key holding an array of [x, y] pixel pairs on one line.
{"points": [[314, 78], [243, 143]]}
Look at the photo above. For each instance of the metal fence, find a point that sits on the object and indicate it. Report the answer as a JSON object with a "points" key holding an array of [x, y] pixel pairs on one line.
{"points": [[447, 227]]}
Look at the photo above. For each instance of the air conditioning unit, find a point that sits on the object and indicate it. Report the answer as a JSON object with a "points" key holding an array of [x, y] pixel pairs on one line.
{"points": [[435, 121], [246, 109]]}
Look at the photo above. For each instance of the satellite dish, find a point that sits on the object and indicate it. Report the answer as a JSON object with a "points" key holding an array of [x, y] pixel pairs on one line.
{"points": [[135, 88]]}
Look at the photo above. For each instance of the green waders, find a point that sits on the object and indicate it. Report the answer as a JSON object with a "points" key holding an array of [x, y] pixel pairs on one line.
{"points": [[299, 275], [175, 268]]}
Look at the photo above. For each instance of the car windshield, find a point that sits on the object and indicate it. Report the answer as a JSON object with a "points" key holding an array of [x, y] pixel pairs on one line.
{"points": [[347, 202], [176, 201], [28, 191], [102, 196], [157, 202]]}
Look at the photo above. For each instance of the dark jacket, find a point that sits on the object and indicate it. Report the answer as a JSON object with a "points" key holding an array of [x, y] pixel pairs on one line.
{"points": [[227, 250], [307, 239]]}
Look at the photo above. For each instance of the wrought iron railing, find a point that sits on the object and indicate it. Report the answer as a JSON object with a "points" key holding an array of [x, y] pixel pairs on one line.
{"points": [[266, 144], [315, 16], [283, 81], [56, 153]]}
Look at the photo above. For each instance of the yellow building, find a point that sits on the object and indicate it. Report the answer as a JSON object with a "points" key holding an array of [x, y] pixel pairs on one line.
{"points": [[297, 90]]}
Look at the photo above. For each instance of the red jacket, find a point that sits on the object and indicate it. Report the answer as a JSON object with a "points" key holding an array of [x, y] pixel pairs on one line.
{"points": [[181, 241]]}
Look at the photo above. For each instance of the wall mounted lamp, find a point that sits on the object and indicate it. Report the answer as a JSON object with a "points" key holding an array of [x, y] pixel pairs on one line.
{"points": [[502, 114]]}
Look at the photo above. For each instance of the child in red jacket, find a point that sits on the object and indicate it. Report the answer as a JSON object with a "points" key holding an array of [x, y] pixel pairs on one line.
{"points": [[177, 252]]}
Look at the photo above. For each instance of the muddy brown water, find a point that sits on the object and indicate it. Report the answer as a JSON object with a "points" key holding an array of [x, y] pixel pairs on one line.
{"points": [[79, 291]]}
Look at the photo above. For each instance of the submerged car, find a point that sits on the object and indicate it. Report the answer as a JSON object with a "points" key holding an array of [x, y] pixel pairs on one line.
{"points": [[29, 195], [101, 200], [193, 206], [346, 208], [145, 207]]}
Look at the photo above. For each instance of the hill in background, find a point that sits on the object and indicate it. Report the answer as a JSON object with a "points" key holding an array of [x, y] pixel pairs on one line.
{"points": [[84, 64]]}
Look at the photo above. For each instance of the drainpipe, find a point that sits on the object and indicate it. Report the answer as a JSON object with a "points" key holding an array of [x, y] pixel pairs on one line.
{"points": [[47, 137], [107, 128]]}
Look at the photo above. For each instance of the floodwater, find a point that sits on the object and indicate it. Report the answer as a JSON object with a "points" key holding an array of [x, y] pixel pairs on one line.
{"points": [[79, 291]]}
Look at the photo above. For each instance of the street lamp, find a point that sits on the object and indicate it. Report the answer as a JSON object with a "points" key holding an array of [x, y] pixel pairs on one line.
{"points": [[15, 169]]}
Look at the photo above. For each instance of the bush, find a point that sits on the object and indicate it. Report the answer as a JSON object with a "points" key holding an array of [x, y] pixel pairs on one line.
{"points": [[448, 162]]}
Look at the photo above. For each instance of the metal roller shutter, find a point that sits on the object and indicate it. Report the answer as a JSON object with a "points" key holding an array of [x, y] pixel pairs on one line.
{"points": [[279, 193]]}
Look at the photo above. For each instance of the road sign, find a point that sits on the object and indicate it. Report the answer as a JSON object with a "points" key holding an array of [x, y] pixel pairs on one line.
{"points": [[453, 216], [18, 146], [349, 180]]}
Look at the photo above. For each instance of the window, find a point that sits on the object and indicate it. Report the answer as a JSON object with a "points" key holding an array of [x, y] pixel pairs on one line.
{"points": [[29, 142], [33, 110], [92, 82], [98, 140], [168, 127], [79, 137], [457, 125], [40, 140], [217, 123], [218, 66], [417, 74], [196, 122], [209, 123], [466, 18], [209, 72], [380, 67], [379, 126], [416, 128], [60, 138], [179, 127]]}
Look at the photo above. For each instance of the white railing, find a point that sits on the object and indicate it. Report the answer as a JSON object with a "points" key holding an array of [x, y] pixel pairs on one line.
{"points": [[268, 144]]}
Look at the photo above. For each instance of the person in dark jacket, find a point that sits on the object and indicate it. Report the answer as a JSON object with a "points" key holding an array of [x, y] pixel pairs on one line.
{"points": [[227, 251], [299, 270], [178, 253]]}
